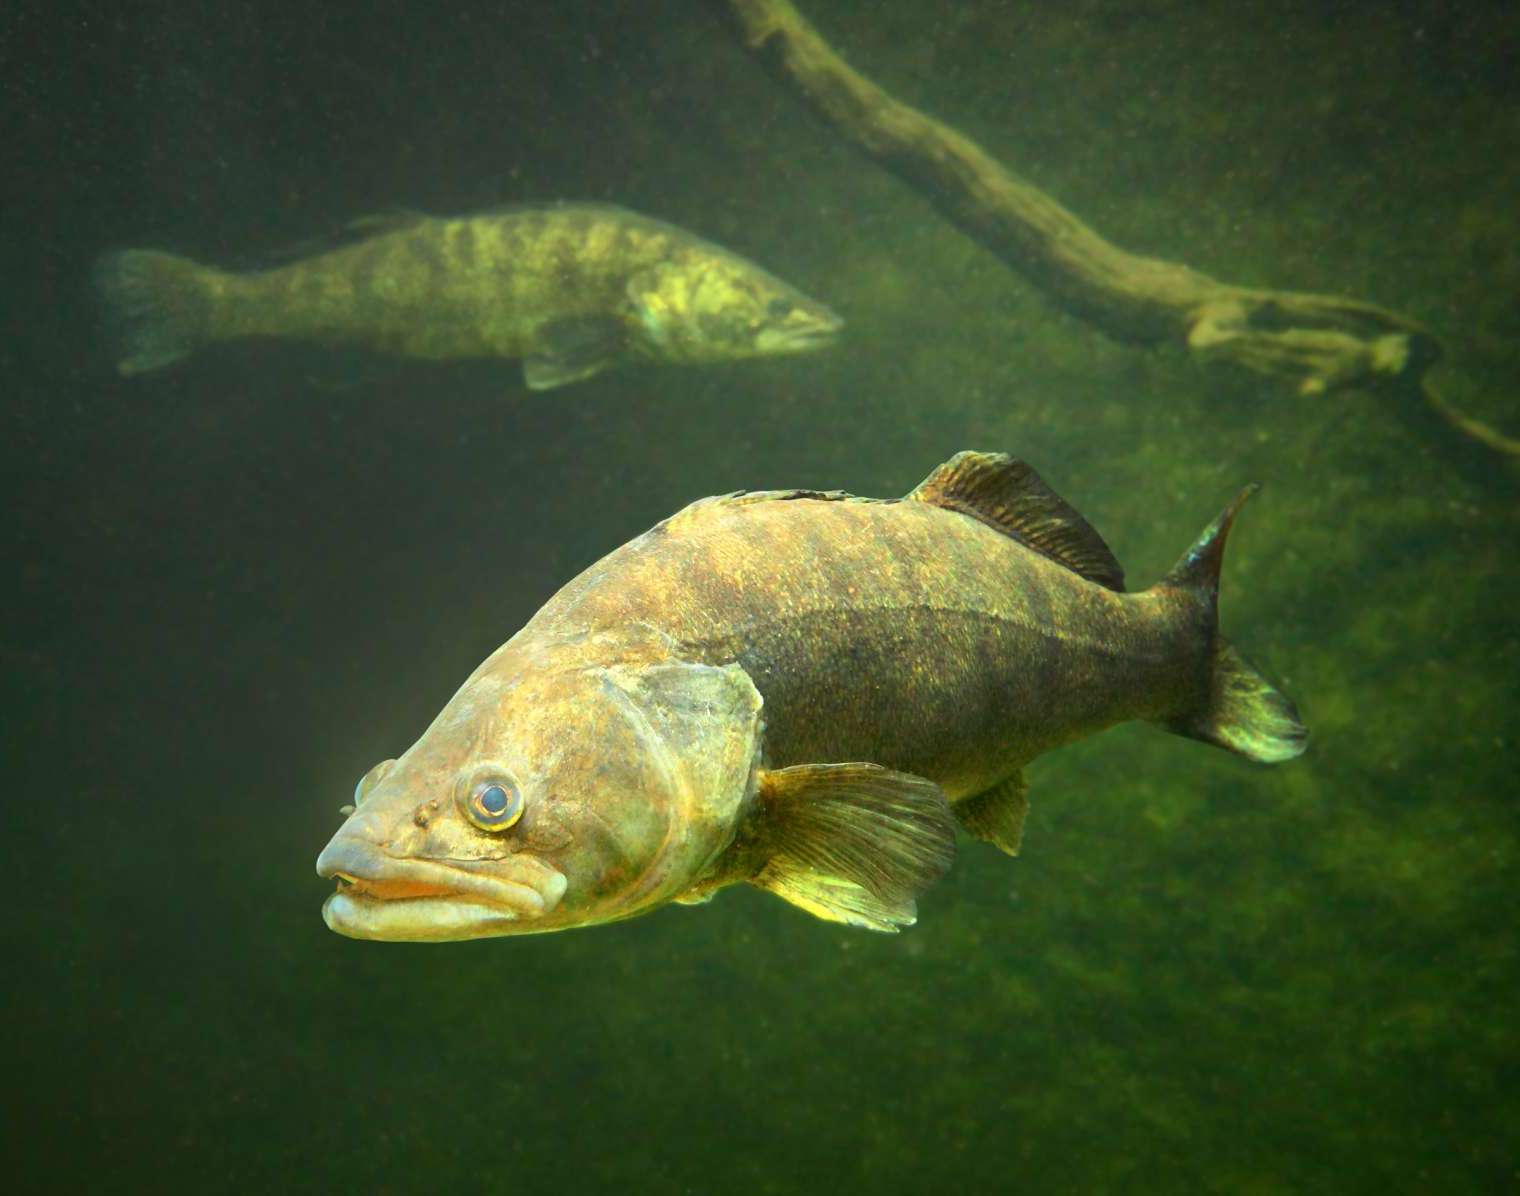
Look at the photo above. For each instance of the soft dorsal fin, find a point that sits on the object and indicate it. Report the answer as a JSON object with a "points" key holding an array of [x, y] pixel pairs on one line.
{"points": [[1006, 494]]}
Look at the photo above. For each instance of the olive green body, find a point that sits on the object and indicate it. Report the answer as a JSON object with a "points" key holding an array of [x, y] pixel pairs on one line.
{"points": [[571, 290], [896, 632], [475, 286]]}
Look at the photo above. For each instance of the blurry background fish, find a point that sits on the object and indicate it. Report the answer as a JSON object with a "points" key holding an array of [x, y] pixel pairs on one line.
{"points": [[570, 289]]}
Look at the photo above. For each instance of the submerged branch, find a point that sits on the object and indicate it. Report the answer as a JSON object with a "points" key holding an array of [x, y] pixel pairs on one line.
{"points": [[1318, 343]]}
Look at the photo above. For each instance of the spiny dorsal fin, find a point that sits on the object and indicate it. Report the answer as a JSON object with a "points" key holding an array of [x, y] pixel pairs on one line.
{"points": [[1006, 494], [997, 816], [703, 507]]}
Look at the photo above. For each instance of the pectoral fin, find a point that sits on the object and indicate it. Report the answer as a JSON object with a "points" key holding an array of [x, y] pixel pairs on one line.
{"points": [[852, 843], [572, 349], [997, 816]]}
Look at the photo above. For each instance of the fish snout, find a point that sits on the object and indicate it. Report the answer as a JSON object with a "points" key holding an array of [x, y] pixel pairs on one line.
{"points": [[818, 327], [390, 897], [823, 320], [810, 326]]}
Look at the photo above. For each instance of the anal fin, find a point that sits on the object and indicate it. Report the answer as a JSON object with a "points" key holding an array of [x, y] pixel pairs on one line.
{"points": [[997, 816], [851, 843]]}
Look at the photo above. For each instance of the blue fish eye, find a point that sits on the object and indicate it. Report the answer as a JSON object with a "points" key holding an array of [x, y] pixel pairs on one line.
{"points": [[779, 308], [494, 805], [493, 800]]}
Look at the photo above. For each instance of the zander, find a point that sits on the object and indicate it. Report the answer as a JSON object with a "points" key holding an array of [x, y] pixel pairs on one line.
{"points": [[571, 290], [800, 690]]}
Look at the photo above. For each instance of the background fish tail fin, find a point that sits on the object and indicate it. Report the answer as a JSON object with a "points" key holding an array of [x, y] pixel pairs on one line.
{"points": [[157, 306], [1242, 711]]}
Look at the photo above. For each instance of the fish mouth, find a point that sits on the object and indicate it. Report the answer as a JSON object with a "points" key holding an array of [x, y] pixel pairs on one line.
{"points": [[380, 896], [821, 328]]}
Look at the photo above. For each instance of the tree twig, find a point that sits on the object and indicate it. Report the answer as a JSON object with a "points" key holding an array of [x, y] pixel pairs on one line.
{"points": [[1318, 343]]}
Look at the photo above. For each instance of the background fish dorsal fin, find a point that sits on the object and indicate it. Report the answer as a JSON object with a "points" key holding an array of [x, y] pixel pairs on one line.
{"points": [[1008, 495], [387, 220], [360, 228]]}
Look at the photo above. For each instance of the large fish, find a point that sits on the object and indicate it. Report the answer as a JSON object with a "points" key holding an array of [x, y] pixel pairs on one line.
{"points": [[803, 691], [571, 290]]}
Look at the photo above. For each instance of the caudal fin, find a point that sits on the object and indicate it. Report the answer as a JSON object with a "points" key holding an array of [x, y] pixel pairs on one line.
{"points": [[1245, 713], [1241, 711], [157, 306]]}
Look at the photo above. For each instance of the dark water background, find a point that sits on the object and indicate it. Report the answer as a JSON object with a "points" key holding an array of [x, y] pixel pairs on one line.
{"points": [[233, 586]]}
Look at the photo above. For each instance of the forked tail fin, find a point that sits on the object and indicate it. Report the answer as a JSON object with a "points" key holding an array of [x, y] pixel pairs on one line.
{"points": [[1242, 711], [157, 306], [1245, 713]]}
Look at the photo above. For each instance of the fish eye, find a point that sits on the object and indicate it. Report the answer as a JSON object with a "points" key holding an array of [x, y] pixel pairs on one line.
{"points": [[494, 805], [370, 779], [780, 308]]}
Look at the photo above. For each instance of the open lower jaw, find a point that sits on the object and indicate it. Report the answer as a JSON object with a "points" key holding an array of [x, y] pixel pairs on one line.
{"points": [[381, 896], [354, 913], [800, 341]]}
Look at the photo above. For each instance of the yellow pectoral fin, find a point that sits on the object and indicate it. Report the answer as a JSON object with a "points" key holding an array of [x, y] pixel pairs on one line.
{"points": [[851, 843]]}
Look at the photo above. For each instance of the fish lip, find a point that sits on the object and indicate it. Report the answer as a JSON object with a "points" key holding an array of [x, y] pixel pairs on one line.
{"points": [[798, 340], [809, 338], [534, 890], [416, 919], [827, 318]]}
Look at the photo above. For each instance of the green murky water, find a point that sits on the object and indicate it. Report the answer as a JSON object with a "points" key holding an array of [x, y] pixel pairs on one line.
{"points": [[233, 586]]}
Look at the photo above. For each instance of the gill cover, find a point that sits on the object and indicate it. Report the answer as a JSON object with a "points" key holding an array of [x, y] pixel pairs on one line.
{"points": [[663, 297], [698, 729], [721, 308]]}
